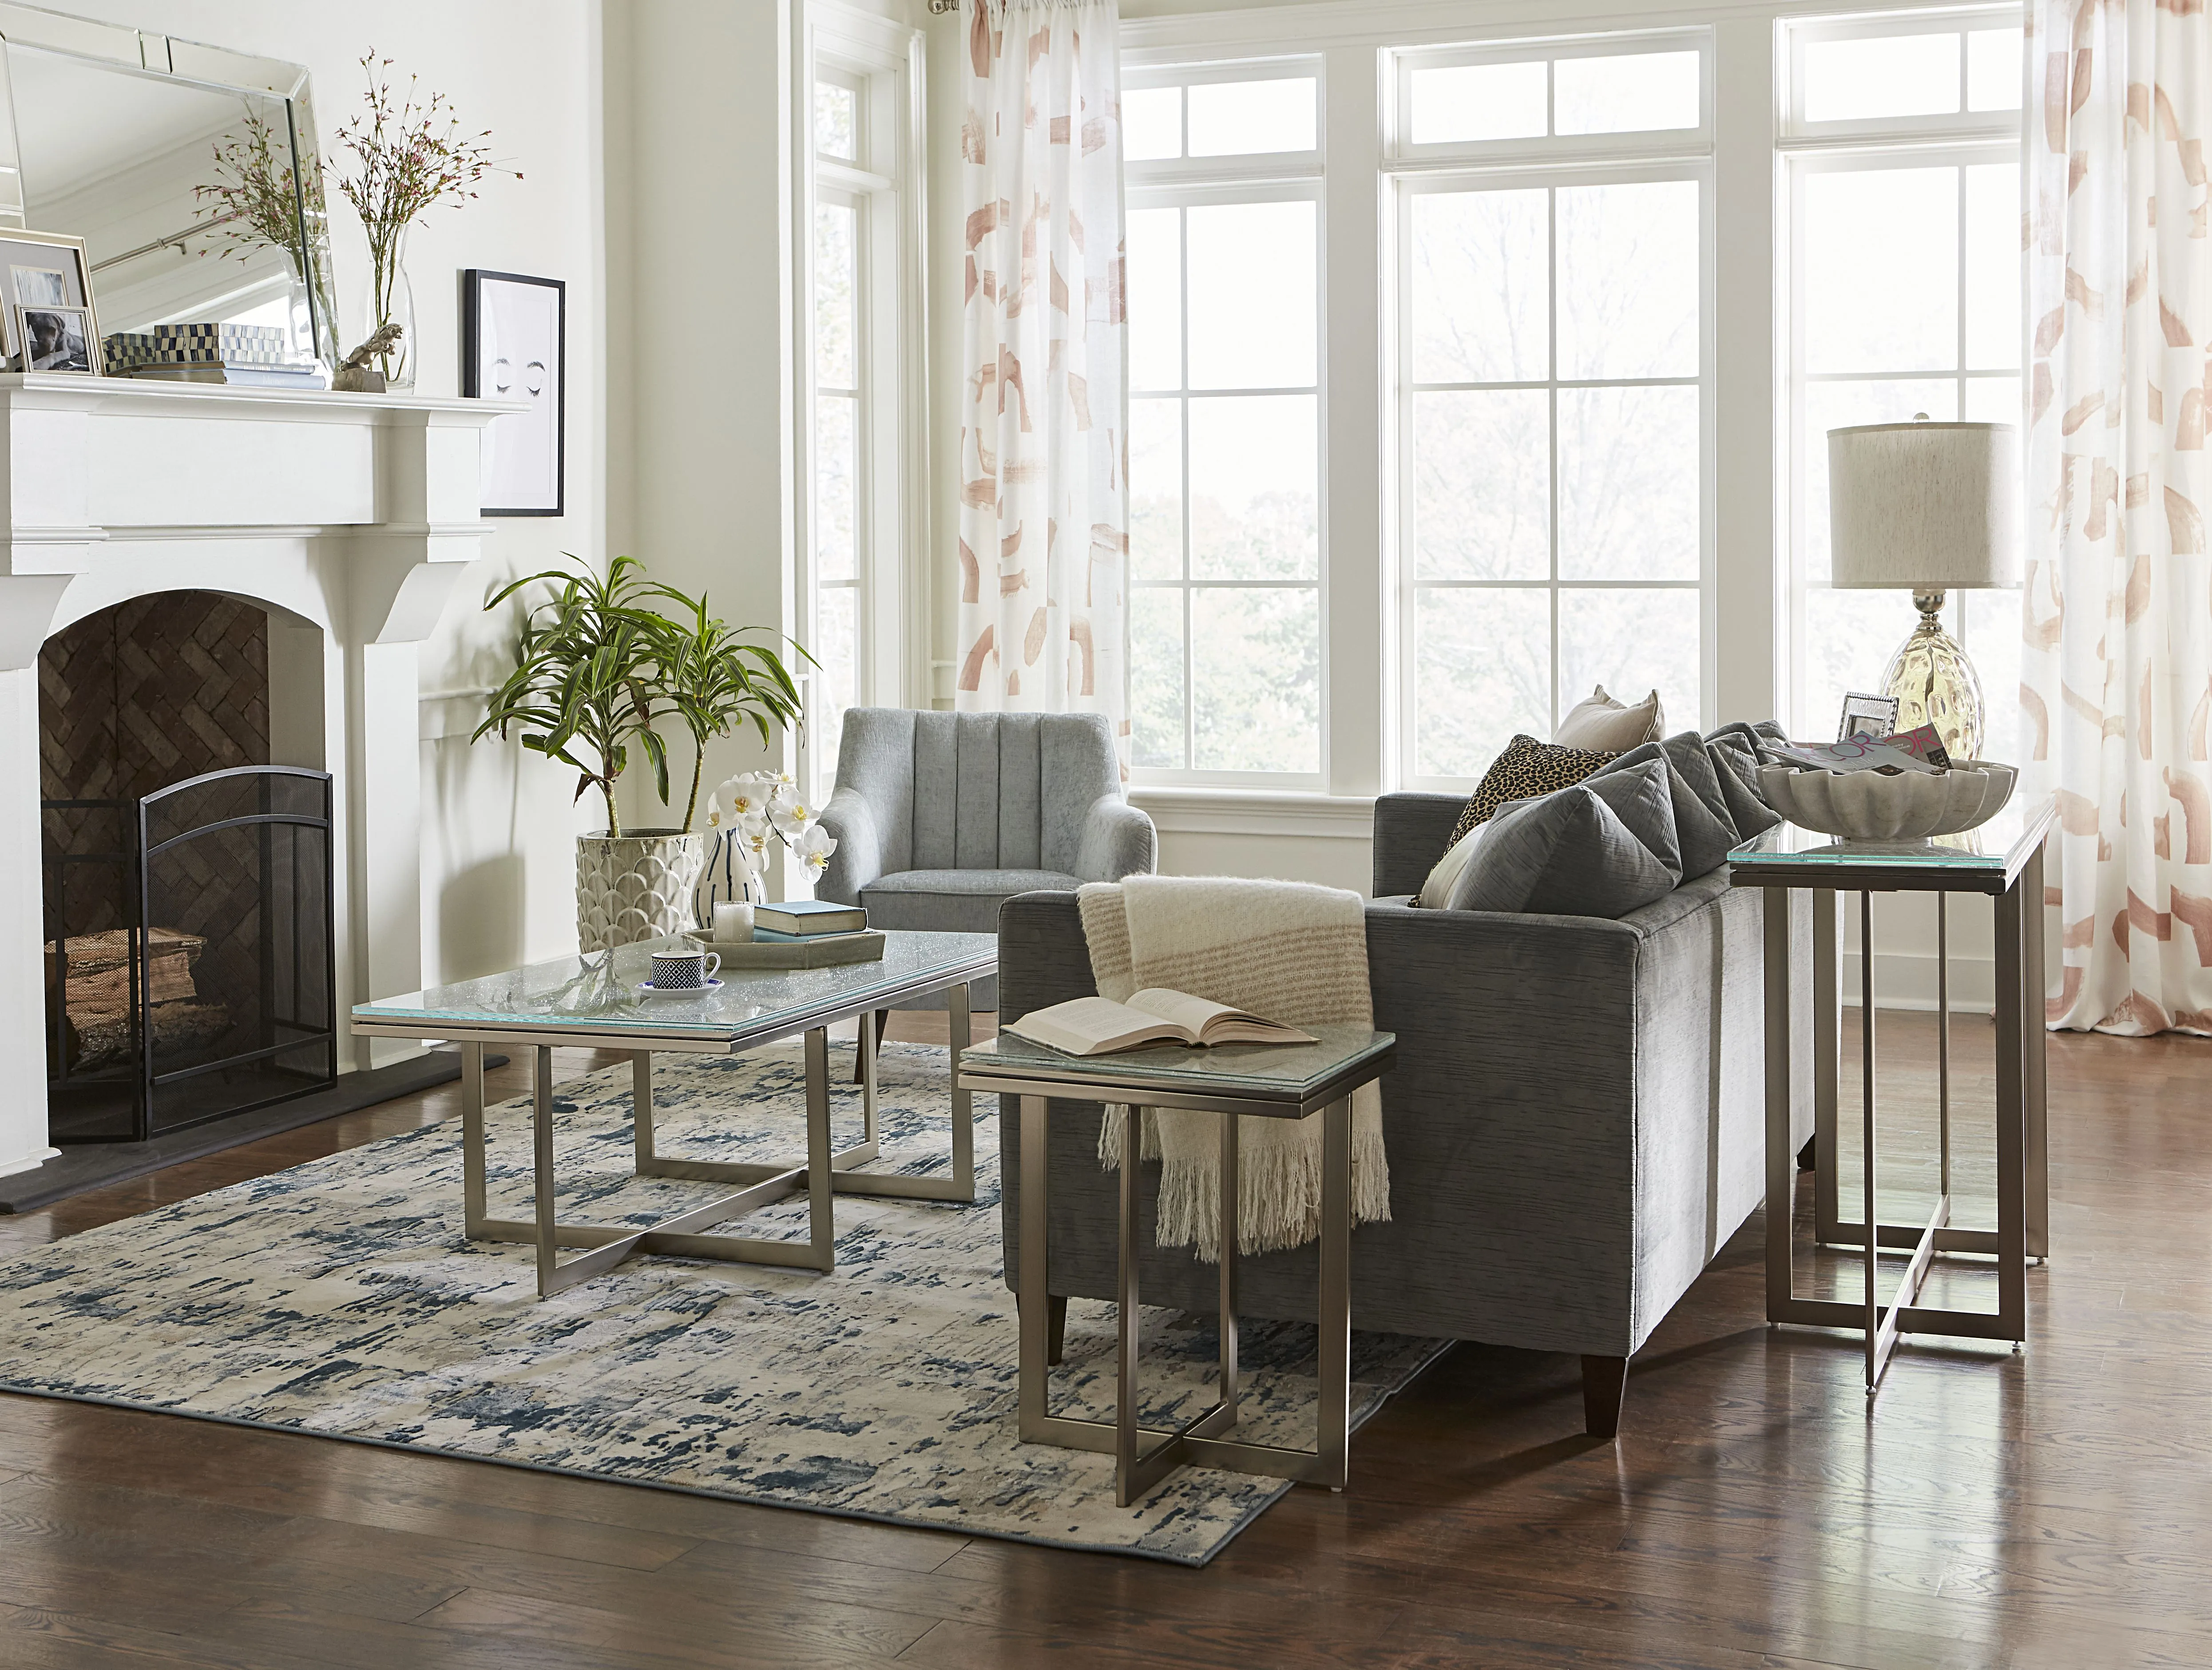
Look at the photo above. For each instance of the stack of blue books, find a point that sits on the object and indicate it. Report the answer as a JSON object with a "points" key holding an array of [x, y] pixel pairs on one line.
{"points": [[797, 919]]}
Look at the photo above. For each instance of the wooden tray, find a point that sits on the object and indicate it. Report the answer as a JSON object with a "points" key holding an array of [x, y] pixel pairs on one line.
{"points": [[865, 946]]}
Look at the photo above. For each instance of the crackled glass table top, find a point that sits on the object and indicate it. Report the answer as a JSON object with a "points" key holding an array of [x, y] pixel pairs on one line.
{"points": [[1289, 1072], [1994, 852], [600, 994]]}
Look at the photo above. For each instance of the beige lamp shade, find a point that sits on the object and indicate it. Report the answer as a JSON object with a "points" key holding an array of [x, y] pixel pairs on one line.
{"points": [[1925, 507]]}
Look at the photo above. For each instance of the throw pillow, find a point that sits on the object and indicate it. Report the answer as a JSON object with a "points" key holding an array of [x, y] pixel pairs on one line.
{"points": [[1437, 889], [1566, 853], [1737, 767], [1702, 829], [1526, 767], [1643, 799], [1611, 727]]}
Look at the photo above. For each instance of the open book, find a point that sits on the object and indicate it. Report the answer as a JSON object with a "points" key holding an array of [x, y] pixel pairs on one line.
{"points": [[1099, 1026]]}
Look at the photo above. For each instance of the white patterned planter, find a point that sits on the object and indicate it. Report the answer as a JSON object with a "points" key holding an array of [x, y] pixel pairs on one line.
{"points": [[635, 887]]}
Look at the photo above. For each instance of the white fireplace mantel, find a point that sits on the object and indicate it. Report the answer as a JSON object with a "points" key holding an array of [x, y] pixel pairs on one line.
{"points": [[349, 517]]}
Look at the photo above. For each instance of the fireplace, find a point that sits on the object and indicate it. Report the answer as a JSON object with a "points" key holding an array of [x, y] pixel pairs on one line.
{"points": [[186, 882]]}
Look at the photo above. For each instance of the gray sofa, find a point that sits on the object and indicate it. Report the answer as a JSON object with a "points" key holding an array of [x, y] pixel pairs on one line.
{"points": [[938, 817], [1575, 1121]]}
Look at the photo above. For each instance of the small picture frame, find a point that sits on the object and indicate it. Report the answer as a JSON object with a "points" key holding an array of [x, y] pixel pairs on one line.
{"points": [[46, 273], [514, 340], [1866, 715], [58, 339]]}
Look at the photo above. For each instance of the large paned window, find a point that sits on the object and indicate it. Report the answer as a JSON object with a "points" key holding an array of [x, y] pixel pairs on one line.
{"points": [[1227, 567], [1903, 300], [861, 339], [1552, 368]]}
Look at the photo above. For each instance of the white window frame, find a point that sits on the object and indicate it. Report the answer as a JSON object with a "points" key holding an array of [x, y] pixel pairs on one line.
{"points": [[1952, 141], [1188, 182], [1753, 626], [882, 62], [1659, 154]]}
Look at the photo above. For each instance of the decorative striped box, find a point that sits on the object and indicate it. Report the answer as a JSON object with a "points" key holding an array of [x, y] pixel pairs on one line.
{"points": [[241, 345]]}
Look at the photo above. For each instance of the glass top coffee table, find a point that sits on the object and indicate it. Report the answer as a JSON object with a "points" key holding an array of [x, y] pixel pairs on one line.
{"points": [[592, 1002]]}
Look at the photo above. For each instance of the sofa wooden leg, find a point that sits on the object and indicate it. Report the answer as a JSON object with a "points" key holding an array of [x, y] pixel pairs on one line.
{"points": [[1605, 1384]]}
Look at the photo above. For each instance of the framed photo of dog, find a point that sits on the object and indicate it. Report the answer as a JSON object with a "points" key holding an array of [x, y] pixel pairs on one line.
{"points": [[47, 322]]}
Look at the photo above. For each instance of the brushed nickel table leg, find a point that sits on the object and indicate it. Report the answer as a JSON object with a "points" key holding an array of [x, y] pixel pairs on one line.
{"points": [[2035, 1034], [1827, 1050], [541, 1132], [1128, 1322], [2012, 1110], [1333, 1437], [1872, 1214], [1032, 1285], [821, 1196], [472, 1141], [1781, 1153], [963, 1101], [1231, 1234], [640, 1110]]}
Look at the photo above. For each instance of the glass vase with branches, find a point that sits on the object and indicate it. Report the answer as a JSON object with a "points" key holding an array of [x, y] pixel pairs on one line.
{"points": [[408, 155]]}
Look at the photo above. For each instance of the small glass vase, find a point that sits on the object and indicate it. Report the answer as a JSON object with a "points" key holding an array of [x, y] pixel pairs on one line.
{"points": [[391, 301]]}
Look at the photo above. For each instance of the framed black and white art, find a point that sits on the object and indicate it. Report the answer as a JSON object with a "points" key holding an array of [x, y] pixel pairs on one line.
{"points": [[513, 334]]}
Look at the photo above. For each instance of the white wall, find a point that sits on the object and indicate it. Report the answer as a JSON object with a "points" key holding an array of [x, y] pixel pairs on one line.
{"points": [[498, 866], [701, 202]]}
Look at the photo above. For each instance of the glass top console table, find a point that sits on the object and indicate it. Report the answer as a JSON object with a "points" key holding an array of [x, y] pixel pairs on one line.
{"points": [[593, 1003], [2003, 860]]}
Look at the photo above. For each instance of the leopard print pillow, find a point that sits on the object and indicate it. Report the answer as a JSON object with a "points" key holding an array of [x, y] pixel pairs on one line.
{"points": [[1527, 768]]}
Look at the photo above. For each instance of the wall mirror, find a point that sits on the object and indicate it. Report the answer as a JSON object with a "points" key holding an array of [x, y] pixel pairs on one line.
{"points": [[110, 135]]}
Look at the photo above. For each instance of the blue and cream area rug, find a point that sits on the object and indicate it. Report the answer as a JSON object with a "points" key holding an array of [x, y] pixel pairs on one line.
{"points": [[342, 1299]]}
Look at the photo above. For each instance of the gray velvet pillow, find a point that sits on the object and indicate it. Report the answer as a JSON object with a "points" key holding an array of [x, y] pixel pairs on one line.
{"points": [[1736, 763], [1704, 832], [1569, 853]]}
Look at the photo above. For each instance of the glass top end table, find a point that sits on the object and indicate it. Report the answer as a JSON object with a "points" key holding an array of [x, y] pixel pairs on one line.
{"points": [[1234, 1081], [593, 1003], [2002, 860]]}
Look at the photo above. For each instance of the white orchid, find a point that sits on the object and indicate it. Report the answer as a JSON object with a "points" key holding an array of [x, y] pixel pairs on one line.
{"points": [[791, 816], [814, 844]]}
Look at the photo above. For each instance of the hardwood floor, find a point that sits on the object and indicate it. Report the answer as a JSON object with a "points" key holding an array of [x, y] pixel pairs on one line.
{"points": [[2051, 1509]]}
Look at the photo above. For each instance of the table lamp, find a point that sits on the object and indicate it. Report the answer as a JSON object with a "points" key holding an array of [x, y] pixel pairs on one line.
{"points": [[1927, 508]]}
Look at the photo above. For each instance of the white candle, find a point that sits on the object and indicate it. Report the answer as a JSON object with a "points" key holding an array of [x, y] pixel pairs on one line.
{"points": [[733, 924]]}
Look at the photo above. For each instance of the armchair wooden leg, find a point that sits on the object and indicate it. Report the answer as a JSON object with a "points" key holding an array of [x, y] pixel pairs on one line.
{"points": [[882, 1016], [1055, 1326], [1605, 1385]]}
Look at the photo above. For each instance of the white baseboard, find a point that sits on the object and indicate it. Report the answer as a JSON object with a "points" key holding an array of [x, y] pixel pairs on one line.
{"points": [[30, 1162], [1906, 979]]}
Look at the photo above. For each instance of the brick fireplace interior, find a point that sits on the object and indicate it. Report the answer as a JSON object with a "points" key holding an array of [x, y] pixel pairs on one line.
{"points": [[134, 699]]}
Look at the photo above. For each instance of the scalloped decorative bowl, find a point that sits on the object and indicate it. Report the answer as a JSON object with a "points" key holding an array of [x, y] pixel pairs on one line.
{"points": [[1866, 806]]}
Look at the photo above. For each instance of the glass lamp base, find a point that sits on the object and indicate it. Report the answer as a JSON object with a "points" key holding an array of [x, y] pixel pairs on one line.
{"points": [[1935, 683]]}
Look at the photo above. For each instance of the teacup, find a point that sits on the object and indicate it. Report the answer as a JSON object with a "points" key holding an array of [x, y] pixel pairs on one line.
{"points": [[684, 971]]}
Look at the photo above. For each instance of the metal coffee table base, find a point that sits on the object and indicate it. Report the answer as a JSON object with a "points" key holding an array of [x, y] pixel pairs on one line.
{"points": [[824, 1175], [1199, 1441]]}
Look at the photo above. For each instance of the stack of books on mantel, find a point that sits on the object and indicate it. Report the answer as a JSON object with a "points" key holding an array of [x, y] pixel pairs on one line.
{"points": [[808, 922]]}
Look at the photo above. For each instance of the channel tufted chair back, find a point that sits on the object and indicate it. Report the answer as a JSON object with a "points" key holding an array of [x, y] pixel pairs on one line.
{"points": [[938, 817]]}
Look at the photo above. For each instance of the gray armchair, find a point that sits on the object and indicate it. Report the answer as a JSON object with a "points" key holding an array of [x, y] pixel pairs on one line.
{"points": [[939, 817]]}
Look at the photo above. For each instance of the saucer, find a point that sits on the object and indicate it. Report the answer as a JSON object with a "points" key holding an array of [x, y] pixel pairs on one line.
{"points": [[647, 989]]}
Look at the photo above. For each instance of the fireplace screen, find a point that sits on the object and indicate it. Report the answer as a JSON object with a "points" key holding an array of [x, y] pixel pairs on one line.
{"points": [[189, 952]]}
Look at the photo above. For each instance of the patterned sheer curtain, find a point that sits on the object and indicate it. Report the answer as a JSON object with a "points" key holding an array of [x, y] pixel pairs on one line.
{"points": [[1044, 531], [2117, 668]]}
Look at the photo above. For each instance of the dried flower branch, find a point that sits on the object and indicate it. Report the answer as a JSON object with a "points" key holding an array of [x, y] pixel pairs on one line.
{"points": [[255, 200], [409, 156]]}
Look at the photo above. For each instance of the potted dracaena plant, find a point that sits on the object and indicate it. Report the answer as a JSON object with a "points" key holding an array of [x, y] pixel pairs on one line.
{"points": [[597, 668]]}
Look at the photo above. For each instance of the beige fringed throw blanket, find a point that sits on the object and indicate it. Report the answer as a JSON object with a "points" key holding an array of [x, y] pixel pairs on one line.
{"points": [[1293, 953]]}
